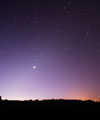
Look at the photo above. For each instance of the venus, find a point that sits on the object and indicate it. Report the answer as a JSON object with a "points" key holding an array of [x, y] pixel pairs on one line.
{"points": [[34, 67]]}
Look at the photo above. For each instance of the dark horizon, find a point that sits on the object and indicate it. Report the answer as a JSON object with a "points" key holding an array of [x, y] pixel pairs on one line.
{"points": [[59, 108], [59, 99]]}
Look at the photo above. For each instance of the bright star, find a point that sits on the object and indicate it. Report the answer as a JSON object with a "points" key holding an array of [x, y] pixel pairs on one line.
{"points": [[34, 67]]}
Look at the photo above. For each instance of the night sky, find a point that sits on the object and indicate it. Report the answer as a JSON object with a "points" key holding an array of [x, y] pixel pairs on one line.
{"points": [[50, 49]]}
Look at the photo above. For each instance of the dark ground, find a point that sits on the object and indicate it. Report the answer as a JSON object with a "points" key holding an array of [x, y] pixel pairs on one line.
{"points": [[50, 108]]}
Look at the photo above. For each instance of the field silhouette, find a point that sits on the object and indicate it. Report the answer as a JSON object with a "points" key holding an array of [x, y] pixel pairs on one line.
{"points": [[50, 107]]}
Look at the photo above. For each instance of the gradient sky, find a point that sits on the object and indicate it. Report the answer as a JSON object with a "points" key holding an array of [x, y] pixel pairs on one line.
{"points": [[50, 49]]}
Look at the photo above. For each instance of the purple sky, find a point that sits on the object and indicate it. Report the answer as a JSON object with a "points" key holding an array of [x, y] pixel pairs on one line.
{"points": [[50, 49]]}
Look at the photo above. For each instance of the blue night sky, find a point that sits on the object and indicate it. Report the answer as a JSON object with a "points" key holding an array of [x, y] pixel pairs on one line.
{"points": [[50, 49]]}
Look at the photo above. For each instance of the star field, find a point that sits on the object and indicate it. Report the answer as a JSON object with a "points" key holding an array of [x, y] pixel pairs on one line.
{"points": [[50, 49]]}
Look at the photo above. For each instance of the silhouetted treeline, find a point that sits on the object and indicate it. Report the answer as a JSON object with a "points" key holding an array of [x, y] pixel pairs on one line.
{"points": [[59, 107]]}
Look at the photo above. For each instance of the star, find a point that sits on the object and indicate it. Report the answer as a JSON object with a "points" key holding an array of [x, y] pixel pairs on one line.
{"points": [[64, 7], [87, 33], [14, 20], [34, 67]]}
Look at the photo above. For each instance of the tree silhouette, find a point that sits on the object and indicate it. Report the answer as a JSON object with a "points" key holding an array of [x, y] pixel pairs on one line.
{"points": [[0, 98]]}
